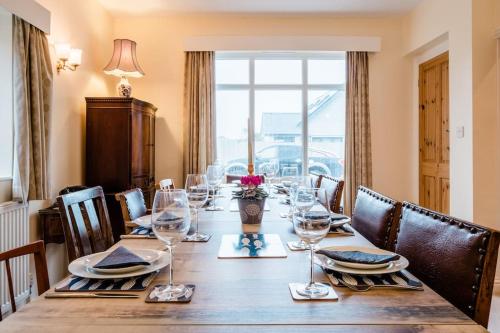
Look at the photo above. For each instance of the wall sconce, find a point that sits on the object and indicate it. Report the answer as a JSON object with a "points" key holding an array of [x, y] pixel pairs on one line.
{"points": [[67, 58]]}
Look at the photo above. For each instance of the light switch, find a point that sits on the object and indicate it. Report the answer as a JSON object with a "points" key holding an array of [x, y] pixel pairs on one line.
{"points": [[460, 132]]}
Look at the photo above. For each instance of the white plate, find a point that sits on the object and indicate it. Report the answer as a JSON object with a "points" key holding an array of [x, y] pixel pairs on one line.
{"points": [[79, 267], [143, 221], [363, 269], [149, 256]]}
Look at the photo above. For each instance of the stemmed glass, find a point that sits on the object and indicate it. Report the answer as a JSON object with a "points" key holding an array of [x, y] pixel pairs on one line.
{"points": [[301, 185], [289, 174], [197, 194], [214, 176], [311, 223], [170, 221], [269, 171]]}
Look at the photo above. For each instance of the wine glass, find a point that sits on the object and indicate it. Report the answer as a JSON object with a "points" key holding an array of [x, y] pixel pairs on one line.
{"points": [[170, 221], [214, 179], [311, 223], [305, 203], [197, 194], [269, 170], [289, 175]]}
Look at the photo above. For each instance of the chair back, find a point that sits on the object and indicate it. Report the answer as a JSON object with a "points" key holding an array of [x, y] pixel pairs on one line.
{"points": [[167, 184], [315, 180], [42, 277], [334, 188], [86, 224], [132, 205], [455, 258], [376, 217]]}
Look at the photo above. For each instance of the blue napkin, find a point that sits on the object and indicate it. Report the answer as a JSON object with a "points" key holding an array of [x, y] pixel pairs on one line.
{"points": [[121, 258], [359, 257]]}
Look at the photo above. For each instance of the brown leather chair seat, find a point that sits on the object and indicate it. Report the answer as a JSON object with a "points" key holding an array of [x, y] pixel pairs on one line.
{"points": [[455, 258], [376, 217], [334, 188]]}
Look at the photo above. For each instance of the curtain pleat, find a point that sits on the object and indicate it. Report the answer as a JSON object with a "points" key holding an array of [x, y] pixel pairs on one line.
{"points": [[32, 77], [199, 101], [358, 157]]}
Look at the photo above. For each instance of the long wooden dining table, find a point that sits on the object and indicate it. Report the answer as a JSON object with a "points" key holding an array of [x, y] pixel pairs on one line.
{"points": [[245, 295]]}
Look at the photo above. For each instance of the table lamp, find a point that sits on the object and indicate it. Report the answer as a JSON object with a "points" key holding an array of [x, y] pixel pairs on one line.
{"points": [[124, 63]]}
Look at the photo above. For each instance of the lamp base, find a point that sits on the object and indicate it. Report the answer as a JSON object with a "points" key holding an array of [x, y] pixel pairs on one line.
{"points": [[124, 88]]}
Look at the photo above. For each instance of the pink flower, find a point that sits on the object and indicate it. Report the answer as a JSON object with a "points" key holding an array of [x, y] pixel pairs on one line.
{"points": [[251, 180]]}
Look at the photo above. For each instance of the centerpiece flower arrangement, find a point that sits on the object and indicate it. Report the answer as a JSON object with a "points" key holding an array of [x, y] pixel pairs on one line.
{"points": [[251, 199]]}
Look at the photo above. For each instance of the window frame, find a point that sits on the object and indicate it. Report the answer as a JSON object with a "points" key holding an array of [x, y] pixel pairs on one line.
{"points": [[304, 87]]}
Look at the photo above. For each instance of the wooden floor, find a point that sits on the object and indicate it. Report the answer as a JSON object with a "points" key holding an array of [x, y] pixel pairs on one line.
{"points": [[494, 324]]}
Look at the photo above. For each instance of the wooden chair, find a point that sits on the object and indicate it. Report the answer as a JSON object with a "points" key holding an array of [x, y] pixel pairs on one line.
{"points": [[133, 206], [42, 277], [376, 217], [334, 188], [315, 180], [457, 259], [85, 220], [167, 183]]}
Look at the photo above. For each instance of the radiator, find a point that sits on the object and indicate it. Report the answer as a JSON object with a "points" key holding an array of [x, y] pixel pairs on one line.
{"points": [[14, 232]]}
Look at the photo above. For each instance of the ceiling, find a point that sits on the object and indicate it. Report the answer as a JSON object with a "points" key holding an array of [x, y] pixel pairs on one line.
{"points": [[337, 7]]}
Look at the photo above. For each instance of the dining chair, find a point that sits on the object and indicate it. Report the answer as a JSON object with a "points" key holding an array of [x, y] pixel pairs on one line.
{"points": [[42, 277], [457, 259], [167, 184], [86, 224], [376, 217], [334, 188], [132, 205], [315, 180]]}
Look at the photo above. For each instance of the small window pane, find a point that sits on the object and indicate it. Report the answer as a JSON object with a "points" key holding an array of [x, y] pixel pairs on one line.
{"points": [[278, 129], [278, 71], [232, 111], [326, 71], [234, 71], [326, 131]]}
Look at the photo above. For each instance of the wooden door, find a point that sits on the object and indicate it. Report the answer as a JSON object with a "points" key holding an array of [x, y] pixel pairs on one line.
{"points": [[434, 137]]}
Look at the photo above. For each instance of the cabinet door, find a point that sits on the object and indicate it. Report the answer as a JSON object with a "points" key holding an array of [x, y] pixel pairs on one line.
{"points": [[142, 142]]}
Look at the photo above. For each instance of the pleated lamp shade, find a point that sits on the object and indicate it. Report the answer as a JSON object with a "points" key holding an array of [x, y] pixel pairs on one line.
{"points": [[124, 63]]}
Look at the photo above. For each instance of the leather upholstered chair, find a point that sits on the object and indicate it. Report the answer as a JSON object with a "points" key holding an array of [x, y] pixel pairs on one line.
{"points": [[132, 206], [455, 258], [334, 188], [376, 217]]}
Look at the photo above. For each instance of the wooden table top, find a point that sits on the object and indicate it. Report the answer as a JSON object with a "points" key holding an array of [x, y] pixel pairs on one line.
{"points": [[243, 295]]}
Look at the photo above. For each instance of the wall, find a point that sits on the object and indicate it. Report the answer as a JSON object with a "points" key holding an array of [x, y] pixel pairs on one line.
{"points": [[160, 52], [87, 26], [423, 28], [484, 80]]}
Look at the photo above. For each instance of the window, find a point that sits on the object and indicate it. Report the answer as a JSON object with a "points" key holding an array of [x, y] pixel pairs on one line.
{"points": [[6, 126], [288, 97]]}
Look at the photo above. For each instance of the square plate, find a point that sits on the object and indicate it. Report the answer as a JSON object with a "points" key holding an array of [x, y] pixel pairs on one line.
{"points": [[250, 245]]}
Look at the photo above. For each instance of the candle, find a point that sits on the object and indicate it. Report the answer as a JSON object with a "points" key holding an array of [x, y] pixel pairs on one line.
{"points": [[250, 147]]}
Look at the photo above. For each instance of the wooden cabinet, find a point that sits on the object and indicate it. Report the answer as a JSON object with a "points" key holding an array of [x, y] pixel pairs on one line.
{"points": [[120, 150]]}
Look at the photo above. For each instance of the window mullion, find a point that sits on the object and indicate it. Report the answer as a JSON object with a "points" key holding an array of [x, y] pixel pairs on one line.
{"points": [[305, 128], [252, 103]]}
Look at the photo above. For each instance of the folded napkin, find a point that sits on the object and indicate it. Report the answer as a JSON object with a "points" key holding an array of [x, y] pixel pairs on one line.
{"points": [[359, 257], [336, 217], [167, 216], [120, 258], [315, 215]]}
